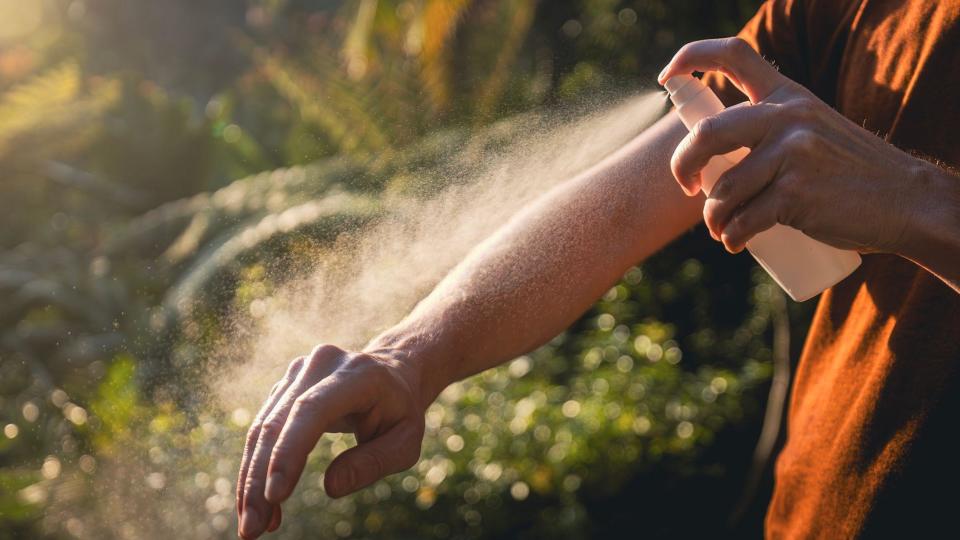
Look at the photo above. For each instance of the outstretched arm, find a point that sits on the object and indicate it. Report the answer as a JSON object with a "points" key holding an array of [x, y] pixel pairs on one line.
{"points": [[515, 291], [544, 268]]}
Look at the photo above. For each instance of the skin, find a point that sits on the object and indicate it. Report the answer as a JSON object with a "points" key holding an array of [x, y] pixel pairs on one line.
{"points": [[812, 169], [809, 168]]}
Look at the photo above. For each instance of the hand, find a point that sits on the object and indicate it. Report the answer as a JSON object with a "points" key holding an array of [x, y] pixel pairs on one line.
{"points": [[375, 395], [809, 167]]}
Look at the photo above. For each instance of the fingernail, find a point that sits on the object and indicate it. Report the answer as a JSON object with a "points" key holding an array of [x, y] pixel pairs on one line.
{"points": [[662, 73], [728, 245], [350, 479], [341, 480], [275, 486], [250, 524], [275, 519], [337, 481]]}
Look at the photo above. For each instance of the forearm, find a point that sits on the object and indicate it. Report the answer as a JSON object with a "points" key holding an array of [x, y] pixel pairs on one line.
{"points": [[932, 238], [547, 265]]}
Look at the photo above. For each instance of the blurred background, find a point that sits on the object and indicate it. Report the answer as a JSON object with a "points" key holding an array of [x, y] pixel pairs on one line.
{"points": [[137, 138]]}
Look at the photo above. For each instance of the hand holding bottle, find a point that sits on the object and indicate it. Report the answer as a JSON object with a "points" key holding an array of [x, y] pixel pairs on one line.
{"points": [[809, 167]]}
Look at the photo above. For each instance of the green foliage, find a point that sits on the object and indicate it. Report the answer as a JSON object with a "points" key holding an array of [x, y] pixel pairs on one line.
{"points": [[47, 117], [129, 240], [14, 510], [546, 435], [117, 406]]}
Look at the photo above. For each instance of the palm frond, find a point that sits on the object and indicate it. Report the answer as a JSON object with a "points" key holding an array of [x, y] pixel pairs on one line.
{"points": [[326, 218], [519, 15], [49, 114], [328, 99], [356, 53], [433, 28]]}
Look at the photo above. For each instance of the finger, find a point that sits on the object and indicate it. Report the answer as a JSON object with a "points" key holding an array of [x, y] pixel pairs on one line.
{"points": [[257, 511], [313, 414], [394, 451], [738, 185], [276, 519], [253, 435], [759, 214], [733, 57], [731, 129]]}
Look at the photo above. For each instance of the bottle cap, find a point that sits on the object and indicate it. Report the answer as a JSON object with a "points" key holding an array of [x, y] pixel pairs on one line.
{"points": [[675, 83]]}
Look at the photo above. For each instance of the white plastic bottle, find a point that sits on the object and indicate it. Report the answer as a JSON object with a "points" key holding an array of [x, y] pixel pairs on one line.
{"points": [[804, 267]]}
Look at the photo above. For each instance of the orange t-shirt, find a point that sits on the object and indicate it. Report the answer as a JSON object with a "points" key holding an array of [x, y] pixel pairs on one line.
{"points": [[873, 428]]}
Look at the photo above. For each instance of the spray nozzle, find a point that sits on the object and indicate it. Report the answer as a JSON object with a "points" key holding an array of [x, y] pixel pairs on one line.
{"points": [[675, 83], [683, 88]]}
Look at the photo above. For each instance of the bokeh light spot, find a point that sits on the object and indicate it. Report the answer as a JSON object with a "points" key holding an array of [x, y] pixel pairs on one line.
{"points": [[571, 408], [30, 412]]}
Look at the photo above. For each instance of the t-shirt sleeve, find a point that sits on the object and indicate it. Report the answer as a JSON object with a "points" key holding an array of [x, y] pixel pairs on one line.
{"points": [[776, 32]]}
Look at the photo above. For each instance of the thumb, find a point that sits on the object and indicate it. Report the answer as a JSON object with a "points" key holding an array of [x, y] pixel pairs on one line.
{"points": [[396, 450], [735, 59]]}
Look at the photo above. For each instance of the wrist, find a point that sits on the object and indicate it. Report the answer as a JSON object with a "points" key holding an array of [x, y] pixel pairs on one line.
{"points": [[933, 224], [419, 355]]}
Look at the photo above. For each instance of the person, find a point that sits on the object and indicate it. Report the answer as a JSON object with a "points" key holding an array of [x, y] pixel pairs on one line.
{"points": [[851, 143]]}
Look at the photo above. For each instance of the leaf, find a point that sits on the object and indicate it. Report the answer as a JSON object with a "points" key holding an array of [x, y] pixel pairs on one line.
{"points": [[50, 114], [329, 216], [519, 15], [336, 104], [13, 505]]}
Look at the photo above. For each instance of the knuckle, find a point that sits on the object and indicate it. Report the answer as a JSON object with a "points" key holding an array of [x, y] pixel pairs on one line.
{"points": [[324, 352], [318, 360], [253, 435], [711, 213], [705, 129], [325, 349], [261, 416], [252, 488], [304, 402], [295, 366], [723, 188], [356, 362], [738, 47], [801, 141], [271, 427], [279, 455], [370, 368]]}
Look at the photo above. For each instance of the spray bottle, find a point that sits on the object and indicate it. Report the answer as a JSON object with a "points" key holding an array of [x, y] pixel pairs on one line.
{"points": [[804, 267]]}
